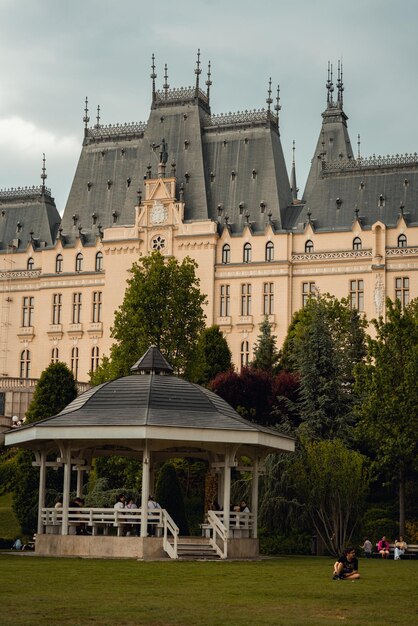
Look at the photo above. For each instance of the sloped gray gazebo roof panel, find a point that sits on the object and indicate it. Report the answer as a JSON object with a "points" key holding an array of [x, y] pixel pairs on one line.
{"points": [[150, 400]]}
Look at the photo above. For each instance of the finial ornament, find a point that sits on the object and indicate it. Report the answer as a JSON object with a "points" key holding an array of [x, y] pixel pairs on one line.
{"points": [[97, 125], [43, 175], [269, 100], [86, 118], [358, 147], [293, 150], [153, 76], [208, 82], [329, 85], [340, 85], [197, 71], [277, 106], [166, 85]]}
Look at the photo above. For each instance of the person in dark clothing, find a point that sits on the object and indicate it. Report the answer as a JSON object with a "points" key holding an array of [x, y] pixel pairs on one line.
{"points": [[346, 568]]}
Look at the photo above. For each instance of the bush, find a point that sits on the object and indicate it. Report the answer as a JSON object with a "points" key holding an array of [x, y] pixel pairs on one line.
{"points": [[377, 522], [295, 543], [6, 544]]}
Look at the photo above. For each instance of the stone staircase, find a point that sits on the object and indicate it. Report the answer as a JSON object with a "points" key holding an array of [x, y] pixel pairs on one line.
{"points": [[196, 550]]}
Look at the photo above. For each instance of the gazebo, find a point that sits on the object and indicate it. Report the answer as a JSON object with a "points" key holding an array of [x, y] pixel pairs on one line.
{"points": [[151, 416]]}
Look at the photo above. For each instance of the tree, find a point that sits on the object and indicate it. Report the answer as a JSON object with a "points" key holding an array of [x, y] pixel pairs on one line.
{"points": [[55, 389], [388, 395], [266, 355], [162, 307], [212, 356], [323, 345], [332, 482], [170, 497]]}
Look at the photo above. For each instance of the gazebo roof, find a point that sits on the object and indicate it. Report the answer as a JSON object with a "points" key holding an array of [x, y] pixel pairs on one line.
{"points": [[150, 405]]}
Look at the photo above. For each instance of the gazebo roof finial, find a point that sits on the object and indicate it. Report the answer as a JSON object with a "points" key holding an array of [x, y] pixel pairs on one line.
{"points": [[152, 362]]}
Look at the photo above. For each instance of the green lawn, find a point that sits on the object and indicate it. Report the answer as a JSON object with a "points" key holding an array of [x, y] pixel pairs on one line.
{"points": [[9, 526], [288, 590]]}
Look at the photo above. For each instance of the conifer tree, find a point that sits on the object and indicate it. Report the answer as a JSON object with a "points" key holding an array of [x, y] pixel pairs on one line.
{"points": [[211, 357], [266, 355], [170, 497]]}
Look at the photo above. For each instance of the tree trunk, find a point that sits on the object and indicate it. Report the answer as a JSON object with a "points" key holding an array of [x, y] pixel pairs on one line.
{"points": [[401, 503]]}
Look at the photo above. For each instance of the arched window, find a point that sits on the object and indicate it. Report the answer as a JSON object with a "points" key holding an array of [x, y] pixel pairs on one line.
{"points": [[309, 246], [99, 262], [30, 264], [54, 355], [247, 253], [402, 241], [226, 254], [74, 362], [25, 364], [79, 262], [269, 251], [245, 354], [356, 243], [58, 263], [94, 358]]}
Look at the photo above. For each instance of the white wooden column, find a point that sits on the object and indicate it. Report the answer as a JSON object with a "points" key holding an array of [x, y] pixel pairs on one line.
{"points": [[254, 496], [227, 490], [145, 490], [41, 497], [66, 490], [79, 471]]}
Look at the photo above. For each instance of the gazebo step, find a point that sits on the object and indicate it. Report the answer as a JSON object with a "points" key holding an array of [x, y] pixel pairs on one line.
{"points": [[196, 551]]}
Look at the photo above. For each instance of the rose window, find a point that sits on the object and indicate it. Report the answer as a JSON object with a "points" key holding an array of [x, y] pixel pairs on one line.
{"points": [[158, 243]]}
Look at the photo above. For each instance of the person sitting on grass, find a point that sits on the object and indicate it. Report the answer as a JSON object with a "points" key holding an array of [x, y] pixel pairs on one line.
{"points": [[346, 568]]}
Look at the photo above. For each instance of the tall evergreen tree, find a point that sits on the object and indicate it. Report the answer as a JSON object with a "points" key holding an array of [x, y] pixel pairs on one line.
{"points": [[55, 389], [323, 346], [170, 497], [211, 357], [162, 307], [388, 396], [266, 355]]}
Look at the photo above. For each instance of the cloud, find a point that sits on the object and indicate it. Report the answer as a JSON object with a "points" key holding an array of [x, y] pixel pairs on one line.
{"points": [[19, 135]]}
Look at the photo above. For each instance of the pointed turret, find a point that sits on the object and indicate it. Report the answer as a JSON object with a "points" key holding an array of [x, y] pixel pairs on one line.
{"points": [[334, 141], [293, 185]]}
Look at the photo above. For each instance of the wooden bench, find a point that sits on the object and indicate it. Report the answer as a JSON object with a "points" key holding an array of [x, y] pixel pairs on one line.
{"points": [[410, 553]]}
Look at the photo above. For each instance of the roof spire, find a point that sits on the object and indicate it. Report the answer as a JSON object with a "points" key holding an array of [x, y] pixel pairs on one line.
{"points": [[208, 82], [43, 175], [153, 75], [86, 118], [277, 106], [340, 85], [166, 85], [97, 125], [197, 71], [329, 85], [269, 100], [294, 188]]}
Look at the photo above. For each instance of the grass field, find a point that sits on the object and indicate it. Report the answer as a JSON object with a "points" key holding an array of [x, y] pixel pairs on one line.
{"points": [[288, 590]]}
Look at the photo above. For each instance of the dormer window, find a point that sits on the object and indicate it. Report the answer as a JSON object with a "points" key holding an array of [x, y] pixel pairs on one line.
{"points": [[402, 242], [309, 247], [79, 262], [226, 254], [269, 251], [247, 253], [381, 200], [356, 243]]}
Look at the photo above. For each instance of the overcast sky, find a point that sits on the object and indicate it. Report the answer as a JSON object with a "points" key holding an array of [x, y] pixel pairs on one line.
{"points": [[54, 53]]}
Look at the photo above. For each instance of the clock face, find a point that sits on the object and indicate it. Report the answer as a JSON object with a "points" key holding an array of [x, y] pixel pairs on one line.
{"points": [[158, 213]]}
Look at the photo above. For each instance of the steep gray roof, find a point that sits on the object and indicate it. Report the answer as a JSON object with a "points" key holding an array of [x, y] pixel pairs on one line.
{"points": [[222, 160], [27, 214]]}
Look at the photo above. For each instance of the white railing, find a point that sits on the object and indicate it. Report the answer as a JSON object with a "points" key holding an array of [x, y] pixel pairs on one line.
{"points": [[169, 526], [218, 534], [94, 518]]}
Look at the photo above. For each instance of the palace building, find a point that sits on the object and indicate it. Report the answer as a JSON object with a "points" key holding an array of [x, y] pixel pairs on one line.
{"points": [[215, 188]]}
